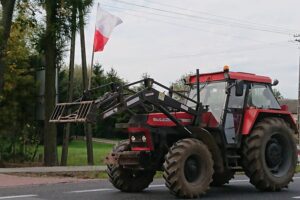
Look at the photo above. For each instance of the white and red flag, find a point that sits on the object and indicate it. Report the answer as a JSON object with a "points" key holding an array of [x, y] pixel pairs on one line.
{"points": [[105, 23]]}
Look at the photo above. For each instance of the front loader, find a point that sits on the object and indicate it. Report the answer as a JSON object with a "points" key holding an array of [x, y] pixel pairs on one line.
{"points": [[228, 122]]}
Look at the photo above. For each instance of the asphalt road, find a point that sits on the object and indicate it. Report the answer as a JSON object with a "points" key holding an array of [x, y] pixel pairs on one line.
{"points": [[239, 188]]}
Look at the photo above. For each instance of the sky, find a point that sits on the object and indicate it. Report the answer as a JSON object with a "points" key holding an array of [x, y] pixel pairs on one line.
{"points": [[170, 38]]}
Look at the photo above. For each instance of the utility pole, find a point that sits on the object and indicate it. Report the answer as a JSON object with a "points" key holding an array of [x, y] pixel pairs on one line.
{"points": [[297, 39]]}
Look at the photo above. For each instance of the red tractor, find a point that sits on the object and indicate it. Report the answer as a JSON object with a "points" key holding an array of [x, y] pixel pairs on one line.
{"points": [[228, 122]]}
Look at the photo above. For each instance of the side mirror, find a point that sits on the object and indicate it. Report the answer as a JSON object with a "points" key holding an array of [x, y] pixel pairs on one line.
{"points": [[275, 82], [239, 88]]}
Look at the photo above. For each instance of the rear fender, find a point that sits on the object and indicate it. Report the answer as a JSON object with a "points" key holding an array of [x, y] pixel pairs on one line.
{"points": [[253, 116]]}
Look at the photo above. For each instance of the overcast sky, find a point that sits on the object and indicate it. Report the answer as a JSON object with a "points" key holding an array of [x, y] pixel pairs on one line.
{"points": [[172, 37]]}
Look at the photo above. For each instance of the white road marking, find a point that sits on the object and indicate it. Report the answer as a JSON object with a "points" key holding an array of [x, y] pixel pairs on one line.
{"points": [[247, 180], [92, 190], [154, 186], [19, 196], [237, 181], [298, 197]]}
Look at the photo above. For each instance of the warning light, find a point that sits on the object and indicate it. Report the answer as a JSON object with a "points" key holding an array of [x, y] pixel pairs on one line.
{"points": [[226, 68]]}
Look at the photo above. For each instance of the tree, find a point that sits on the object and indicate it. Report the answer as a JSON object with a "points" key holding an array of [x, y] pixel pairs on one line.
{"points": [[179, 86], [17, 122], [277, 93], [106, 128], [55, 40], [73, 25], [5, 27], [83, 7], [50, 150]]}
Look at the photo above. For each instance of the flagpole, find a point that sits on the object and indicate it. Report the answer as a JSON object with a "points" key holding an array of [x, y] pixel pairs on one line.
{"points": [[93, 53], [91, 71]]}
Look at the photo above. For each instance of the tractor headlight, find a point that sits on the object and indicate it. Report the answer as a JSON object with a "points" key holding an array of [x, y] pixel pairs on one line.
{"points": [[144, 139], [132, 138]]}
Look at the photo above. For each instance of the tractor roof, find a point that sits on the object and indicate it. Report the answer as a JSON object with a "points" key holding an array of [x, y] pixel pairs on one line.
{"points": [[226, 74]]}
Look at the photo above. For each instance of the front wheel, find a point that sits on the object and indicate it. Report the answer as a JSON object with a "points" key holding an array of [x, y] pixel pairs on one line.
{"points": [[188, 168], [128, 180], [269, 155]]}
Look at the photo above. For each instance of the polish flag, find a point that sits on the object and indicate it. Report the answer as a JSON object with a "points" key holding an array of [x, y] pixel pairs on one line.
{"points": [[105, 24]]}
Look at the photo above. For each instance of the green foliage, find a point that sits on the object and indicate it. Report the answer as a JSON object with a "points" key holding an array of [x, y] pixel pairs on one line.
{"points": [[180, 86], [105, 128], [1, 16], [17, 126], [277, 93]]}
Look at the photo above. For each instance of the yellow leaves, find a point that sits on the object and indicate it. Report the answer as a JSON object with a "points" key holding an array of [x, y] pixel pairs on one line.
{"points": [[9, 86]]}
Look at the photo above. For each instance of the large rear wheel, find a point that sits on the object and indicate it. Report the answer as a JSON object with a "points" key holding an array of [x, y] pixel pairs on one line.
{"points": [[188, 168], [128, 180], [269, 155]]}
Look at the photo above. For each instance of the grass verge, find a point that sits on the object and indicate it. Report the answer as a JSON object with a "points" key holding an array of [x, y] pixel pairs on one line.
{"points": [[77, 155]]}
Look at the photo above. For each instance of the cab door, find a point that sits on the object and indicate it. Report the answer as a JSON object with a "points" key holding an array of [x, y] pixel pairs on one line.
{"points": [[233, 114]]}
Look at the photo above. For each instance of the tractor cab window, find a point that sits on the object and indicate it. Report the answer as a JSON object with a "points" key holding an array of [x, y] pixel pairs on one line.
{"points": [[213, 95], [261, 96], [236, 101]]}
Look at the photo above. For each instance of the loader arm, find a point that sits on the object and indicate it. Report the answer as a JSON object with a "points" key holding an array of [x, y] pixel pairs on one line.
{"points": [[120, 99]]}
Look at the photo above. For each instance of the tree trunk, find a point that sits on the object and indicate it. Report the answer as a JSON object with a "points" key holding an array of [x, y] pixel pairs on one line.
{"points": [[87, 127], [64, 154], [5, 25], [83, 51], [50, 146]]}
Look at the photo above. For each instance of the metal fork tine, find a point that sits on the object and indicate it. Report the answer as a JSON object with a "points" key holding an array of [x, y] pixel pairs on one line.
{"points": [[81, 107], [61, 111], [85, 111], [56, 111]]}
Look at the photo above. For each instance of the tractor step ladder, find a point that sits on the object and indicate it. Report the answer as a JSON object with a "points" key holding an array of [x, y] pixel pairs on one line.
{"points": [[72, 112], [233, 161]]}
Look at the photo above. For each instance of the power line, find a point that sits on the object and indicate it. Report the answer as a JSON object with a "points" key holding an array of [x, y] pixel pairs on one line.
{"points": [[204, 53], [176, 24], [204, 19], [179, 25], [222, 17], [244, 49], [251, 48]]}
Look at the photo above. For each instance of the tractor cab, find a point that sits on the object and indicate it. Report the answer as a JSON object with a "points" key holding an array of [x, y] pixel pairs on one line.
{"points": [[228, 96]]}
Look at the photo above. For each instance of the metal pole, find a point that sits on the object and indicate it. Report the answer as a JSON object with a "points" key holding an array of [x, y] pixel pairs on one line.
{"points": [[93, 53], [298, 102], [198, 88], [91, 70], [298, 105]]}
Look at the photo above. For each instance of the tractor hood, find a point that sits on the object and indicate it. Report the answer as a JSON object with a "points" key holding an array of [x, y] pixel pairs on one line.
{"points": [[161, 120]]}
